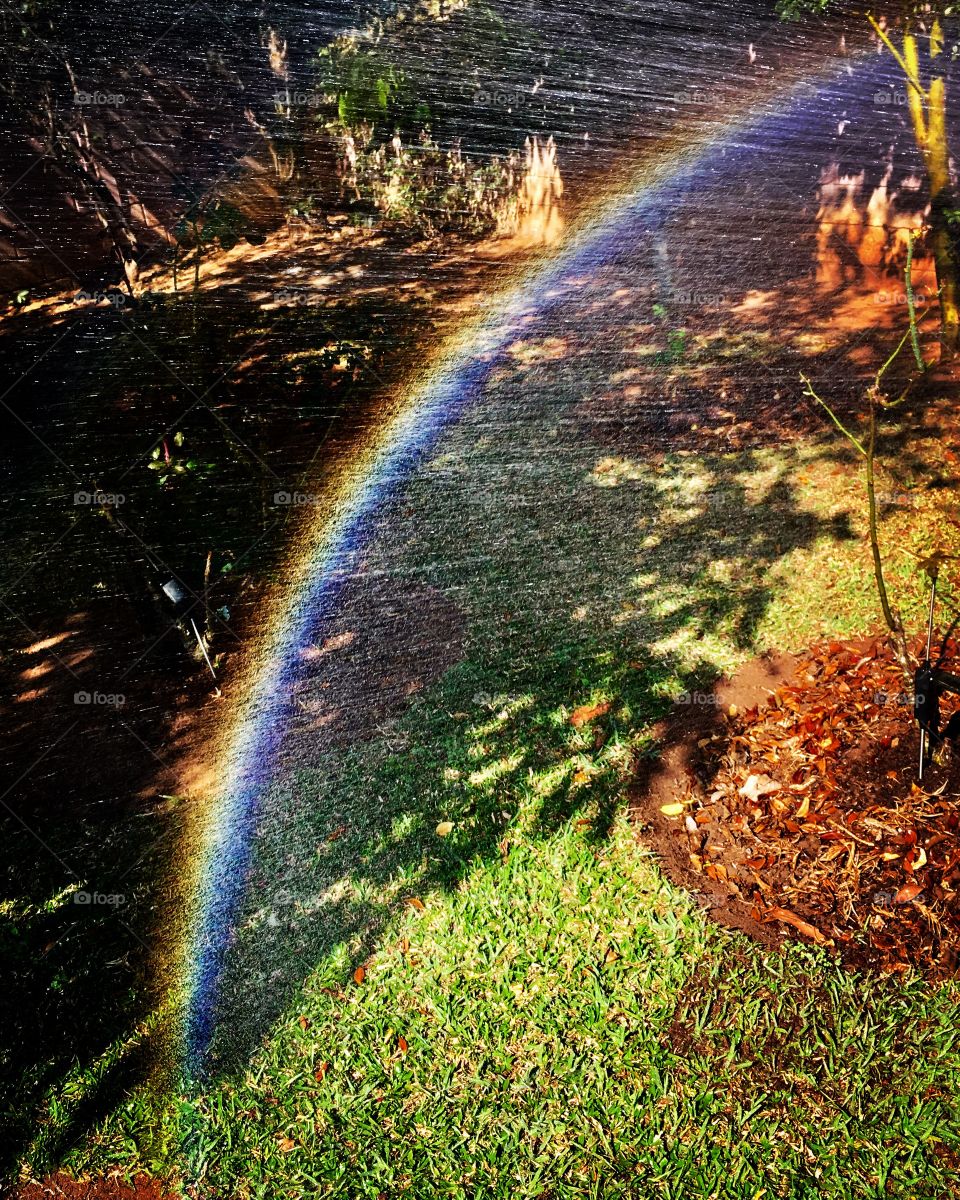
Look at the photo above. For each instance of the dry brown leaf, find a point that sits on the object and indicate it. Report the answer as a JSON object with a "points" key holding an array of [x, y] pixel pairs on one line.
{"points": [[909, 891], [799, 924]]}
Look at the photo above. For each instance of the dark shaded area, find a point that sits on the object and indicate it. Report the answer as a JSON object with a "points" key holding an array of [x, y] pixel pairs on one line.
{"points": [[196, 440], [663, 779]]}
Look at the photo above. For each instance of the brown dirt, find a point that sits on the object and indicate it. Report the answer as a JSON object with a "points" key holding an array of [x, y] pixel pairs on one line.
{"points": [[664, 780], [141, 1187], [797, 809]]}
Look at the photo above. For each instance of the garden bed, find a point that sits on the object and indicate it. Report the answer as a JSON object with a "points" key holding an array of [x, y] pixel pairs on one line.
{"points": [[791, 804]]}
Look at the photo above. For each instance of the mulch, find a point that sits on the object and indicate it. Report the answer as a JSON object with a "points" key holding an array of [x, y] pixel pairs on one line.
{"points": [[788, 800], [63, 1187]]}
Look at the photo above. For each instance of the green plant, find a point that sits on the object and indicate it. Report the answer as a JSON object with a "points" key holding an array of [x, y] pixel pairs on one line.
{"points": [[169, 464], [866, 446]]}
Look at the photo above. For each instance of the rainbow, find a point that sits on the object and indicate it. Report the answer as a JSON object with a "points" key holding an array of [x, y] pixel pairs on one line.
{"points": [[331, 542]]}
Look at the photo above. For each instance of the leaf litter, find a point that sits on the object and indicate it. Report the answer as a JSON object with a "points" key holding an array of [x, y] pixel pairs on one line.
{"points": [[806, 812]]}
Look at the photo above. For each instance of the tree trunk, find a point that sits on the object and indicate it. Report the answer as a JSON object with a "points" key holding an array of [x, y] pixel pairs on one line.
{"points": [[942, 204], [928, 112]]}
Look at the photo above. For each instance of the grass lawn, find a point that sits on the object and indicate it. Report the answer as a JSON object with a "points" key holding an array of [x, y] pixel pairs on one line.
{"points": [[458, 972]]}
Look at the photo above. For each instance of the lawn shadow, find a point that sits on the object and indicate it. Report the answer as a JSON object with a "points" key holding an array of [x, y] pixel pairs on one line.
{"points": [[568, 596]]}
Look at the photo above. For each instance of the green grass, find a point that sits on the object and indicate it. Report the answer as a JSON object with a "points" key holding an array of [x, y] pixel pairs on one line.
{"points": [[574, 1025], [573, 1028]]}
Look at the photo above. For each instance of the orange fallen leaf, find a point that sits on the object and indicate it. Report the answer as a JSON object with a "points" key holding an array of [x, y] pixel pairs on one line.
{"points": [[588, 712], [321, 1071], [799, 924], [402, 1043], [286, 1145], [909, 891], [359, 975], [415, 903], [303, 1022]]}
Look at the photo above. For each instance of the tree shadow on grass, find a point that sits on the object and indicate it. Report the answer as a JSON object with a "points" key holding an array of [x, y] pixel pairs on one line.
{"points": [[605, 601]]}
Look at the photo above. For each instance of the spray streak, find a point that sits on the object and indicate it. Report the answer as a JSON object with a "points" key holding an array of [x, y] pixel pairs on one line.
{"points": [[332, 545]]}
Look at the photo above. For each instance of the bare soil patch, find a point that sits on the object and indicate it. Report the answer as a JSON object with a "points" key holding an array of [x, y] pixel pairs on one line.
{"points": [[61, 1185]]}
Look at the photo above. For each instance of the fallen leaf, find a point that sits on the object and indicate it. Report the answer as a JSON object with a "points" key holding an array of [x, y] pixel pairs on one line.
{"points": [[800, 925], [757, 786], [286, 1145], [415, 903], [671, 810], [359, 975], [403, 1045], [444, 829], [303, 1022], [587, 713], [321, 1071], [337, 642], [909, 891]]}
